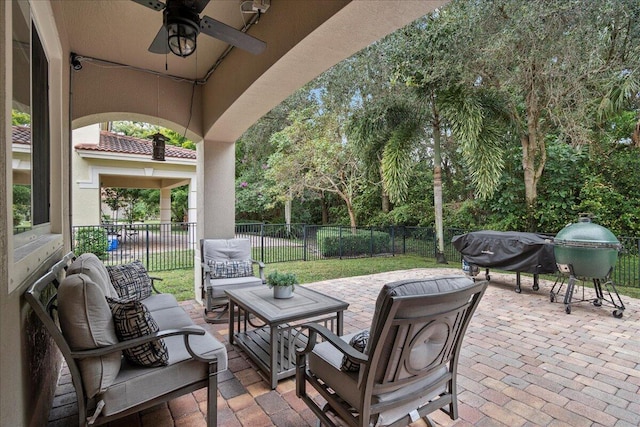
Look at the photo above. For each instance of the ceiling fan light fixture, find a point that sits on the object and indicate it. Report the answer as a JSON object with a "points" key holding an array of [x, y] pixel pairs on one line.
{"points": [[182, 36]]}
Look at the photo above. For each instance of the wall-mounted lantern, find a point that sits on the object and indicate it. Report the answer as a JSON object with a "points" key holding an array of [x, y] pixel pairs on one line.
{"points": [[158, 147]]}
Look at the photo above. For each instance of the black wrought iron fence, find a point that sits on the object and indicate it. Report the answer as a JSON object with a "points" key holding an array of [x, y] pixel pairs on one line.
{"points": [[164, 246], [171, 246]]}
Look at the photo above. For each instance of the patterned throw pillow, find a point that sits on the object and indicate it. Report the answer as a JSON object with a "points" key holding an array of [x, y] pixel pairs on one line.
{"points": [[131, 281], [230, 269], [133, 320], [359, 342]]}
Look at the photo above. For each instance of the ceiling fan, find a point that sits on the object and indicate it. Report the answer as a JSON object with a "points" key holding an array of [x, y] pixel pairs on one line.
{"points": [[181, 25]]}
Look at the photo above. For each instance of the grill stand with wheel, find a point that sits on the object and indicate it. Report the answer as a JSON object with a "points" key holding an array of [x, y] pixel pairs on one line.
{"points": [[609, 286]]}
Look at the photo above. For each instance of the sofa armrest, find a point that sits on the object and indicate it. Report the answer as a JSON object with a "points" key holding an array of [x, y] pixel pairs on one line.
{"points": [[123, 345], [153, 283]]}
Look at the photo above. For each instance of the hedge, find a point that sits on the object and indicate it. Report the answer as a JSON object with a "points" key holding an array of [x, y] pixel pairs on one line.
{"points": [[349, 243]]}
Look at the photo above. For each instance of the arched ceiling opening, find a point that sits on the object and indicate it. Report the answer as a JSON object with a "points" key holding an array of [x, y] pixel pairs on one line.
{"points": [[217, 92]]}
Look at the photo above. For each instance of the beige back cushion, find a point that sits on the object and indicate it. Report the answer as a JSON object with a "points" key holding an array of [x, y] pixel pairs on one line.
{"points": [[90, 265], [86, 323], [226, 250]]}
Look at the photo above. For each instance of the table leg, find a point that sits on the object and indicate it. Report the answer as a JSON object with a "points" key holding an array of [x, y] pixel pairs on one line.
{"points": [[273, 362], [232, 310], [339, 326]]}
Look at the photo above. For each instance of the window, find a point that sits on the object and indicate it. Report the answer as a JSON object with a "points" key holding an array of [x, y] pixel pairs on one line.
{"points": [[21, 116], [40, 138], [30, 120]]}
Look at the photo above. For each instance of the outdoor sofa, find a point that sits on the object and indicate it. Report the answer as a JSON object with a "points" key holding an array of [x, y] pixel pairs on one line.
{"points": [[127, 347]]}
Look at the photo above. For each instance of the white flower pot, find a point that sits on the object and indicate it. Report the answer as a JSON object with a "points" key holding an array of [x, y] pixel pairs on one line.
{"points": [[282, 292]]}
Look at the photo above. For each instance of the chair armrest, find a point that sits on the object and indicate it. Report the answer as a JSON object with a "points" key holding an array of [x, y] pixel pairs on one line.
{"points": [[335, 340], [205, 267], [123, 345], [261, 269], [153, 284]]}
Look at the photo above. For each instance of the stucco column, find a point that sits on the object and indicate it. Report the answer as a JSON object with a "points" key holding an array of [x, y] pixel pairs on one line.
{"points": [[165, 205], [193, 201], [216, 162], [215, 198]]}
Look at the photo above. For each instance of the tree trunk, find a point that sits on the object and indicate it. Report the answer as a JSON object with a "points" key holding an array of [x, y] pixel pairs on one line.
{"points": [[352, 214], [386, 204], [534, 155], [287, 213], [437, 189], [325, 211]]}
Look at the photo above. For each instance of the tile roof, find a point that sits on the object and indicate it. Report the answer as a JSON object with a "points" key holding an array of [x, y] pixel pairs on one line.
{"points": [[21, 135], [113, 143]]}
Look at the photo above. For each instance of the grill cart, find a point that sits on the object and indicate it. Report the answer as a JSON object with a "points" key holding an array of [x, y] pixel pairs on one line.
{"points": [[506, 250], [584, 251]]}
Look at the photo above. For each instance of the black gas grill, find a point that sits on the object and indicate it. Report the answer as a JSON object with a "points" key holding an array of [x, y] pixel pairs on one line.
{"points": [[507, 250]]}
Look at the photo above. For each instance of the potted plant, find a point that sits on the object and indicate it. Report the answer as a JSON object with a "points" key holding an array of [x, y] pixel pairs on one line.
{"points": [[283, 284]]}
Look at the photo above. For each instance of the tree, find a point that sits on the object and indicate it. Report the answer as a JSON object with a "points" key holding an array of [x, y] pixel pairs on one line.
{"points": [[21, 204], [146, 131], [133, 200], [20, 118], [114, 199], [430, 64], [179, 203], [313, 154], [254, 198], [536, 55]]}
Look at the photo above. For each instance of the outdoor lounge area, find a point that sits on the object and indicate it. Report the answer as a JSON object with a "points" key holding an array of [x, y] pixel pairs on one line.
{"points": [[524, 362]]}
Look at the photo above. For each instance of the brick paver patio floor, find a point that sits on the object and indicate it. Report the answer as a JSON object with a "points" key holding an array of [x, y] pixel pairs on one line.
{"points": [[524, 363]]}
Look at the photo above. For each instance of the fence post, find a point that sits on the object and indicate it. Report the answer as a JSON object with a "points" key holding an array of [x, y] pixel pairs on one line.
{"points": [[371, 241], [393, 240], [404, 240], [340, 241], [435, 243], [262, 241], [146, 243], [304, 242]]}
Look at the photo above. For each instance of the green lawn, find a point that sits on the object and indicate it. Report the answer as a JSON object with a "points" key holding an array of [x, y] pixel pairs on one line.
{"points": [[180, 282]]}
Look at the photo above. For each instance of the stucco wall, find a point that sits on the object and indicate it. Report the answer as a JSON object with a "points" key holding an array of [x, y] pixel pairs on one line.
{"points": [[28, 367], [28, 361], [89, 174]]}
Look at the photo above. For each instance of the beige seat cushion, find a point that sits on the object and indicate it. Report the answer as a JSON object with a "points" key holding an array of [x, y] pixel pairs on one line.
{"points": [[86, 323], [325, 361], [159, 302], [135, 384], [217, 286], [90, 265]]}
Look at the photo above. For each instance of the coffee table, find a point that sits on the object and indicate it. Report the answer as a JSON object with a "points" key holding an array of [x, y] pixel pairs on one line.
{"points": [[271, 345]]}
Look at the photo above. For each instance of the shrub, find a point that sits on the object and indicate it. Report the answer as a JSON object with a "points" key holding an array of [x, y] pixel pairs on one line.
{"points": [[347, 242], [93, 240]]}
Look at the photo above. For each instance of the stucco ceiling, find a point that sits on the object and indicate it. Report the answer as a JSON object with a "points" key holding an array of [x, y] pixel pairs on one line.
{"points": [[121, 31], [303, 37]]}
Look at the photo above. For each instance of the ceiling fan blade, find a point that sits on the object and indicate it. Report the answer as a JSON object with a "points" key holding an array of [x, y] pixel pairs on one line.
{"points": [[160, 43], [151, 4], [199, 5], [231, 36]]}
